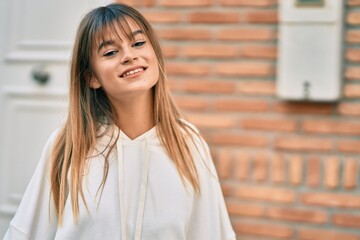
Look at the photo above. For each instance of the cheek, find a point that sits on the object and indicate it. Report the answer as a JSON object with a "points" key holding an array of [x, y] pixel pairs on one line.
{"points": [[154, 65], [156, 72]]}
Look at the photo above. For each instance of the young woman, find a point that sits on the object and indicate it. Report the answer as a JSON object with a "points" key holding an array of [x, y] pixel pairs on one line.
{"points": [[125, 165]]}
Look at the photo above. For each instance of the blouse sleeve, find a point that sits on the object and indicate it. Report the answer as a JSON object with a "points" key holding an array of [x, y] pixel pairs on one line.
{"points": [[36, 217], [209, 217]]}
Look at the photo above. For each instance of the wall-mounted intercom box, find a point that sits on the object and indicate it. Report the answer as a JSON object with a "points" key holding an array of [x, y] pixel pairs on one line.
{"points": [[310, 50]]}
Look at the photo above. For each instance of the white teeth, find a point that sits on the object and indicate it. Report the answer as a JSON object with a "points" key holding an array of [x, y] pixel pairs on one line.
{"points": [[132, 72]]}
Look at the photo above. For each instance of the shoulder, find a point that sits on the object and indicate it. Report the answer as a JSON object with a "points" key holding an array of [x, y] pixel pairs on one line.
{"points": [[51, 140], [192, 132], [189, 125], [200, 149], [54, 135], [48, 148], [193, 135]]}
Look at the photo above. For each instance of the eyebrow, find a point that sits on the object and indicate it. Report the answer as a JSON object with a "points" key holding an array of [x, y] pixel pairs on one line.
{"points": [[112, 42]]}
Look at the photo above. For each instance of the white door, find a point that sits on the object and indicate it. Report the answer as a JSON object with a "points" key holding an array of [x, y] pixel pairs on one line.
{"points": [[35, 42]]}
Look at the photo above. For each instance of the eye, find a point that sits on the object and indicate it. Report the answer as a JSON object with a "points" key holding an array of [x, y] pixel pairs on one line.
{"points": [[139, 44], [110, 53]]}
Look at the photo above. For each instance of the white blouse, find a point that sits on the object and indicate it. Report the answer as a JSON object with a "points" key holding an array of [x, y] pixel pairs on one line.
{"points": [[143, 198]]}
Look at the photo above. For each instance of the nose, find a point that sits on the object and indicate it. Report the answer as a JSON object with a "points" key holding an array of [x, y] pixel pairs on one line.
{"points": [[129, 55]]}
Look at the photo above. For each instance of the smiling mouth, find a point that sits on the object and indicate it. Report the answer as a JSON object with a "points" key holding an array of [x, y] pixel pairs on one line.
{"points": [[134, 71]]}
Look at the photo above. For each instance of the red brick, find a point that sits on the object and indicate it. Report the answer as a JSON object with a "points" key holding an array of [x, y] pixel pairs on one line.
{"points": [[249, 210], [303, 144], [242, 105], [353, 36], [313, 171], [352, 73], [278, 168], [353, 18], [244, 69], [214, 17], [296, 170], [207, 120], [186, 68], [353, 2], [175, 85], [227, 189], [252, 87], [184, 34], [263, 230], [260, 167], [331, 200], [332, 170], [209, 51], [169, 51], [258, 51], [353, 55], [185, 3], [163, 17], [205, 86], [242, 166], [304, 108], [250, 237], [224, 163], [352, 90], [249, 3], [261, 17], [191, 103], [297, 215], [137, 3], [314, 234], [350, 109], [268, 124], [332, 127], [238, 139], [146, 3], [350, 146], [350, 173], [347, 220], [266, 194], [247, 34]]}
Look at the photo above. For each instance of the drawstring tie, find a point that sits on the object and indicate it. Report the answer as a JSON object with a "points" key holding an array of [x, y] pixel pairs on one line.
{"points": [[143, 187]]}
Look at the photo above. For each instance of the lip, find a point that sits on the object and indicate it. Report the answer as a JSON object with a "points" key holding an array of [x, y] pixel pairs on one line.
{"points": [[130, 69]]}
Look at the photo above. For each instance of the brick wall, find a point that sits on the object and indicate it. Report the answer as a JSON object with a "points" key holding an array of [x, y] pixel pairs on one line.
{"points": [[289, 170]]}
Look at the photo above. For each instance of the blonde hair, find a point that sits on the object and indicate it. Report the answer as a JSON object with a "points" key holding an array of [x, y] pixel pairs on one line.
{"points": [[90, 108]]}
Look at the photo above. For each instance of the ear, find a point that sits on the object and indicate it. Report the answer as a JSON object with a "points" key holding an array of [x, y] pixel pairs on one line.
{"points": [[92, 81]]}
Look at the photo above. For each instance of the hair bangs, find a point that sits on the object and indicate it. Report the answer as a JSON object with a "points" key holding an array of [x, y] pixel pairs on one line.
{"points": [[115, 26]]}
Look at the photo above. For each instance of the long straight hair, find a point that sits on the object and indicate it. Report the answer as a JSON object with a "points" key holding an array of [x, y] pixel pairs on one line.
{"points": [[90, 108]]}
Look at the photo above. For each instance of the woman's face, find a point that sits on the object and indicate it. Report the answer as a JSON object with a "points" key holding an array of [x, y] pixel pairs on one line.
{"points": [[123, 67]]}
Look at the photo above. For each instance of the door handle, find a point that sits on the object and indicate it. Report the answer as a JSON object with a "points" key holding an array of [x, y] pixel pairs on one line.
{"points": [[41, 74]]}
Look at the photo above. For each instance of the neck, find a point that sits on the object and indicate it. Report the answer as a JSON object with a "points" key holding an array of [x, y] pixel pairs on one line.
{"points": [[135, 115]]}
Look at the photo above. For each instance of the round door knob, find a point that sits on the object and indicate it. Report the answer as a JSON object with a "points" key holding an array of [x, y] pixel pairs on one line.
{"points": [[41, 74]]}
